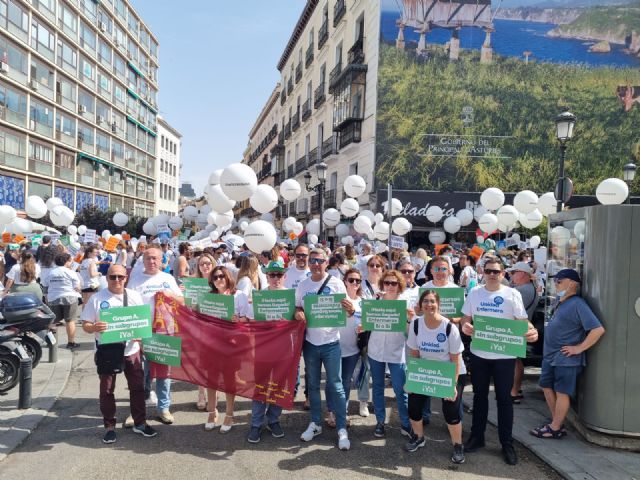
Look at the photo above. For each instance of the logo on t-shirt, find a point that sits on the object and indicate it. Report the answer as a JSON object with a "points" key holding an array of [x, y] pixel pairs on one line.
{"points": [[441, 337], [104, 304], [165, 285], [326, 291], [498, 300]]}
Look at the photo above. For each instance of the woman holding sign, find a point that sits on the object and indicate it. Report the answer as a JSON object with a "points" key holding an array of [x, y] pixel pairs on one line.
{"points": [[434, 337], [221, 282], [203, 270]]}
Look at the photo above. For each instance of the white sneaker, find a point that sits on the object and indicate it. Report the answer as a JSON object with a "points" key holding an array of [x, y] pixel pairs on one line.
{"points": [[312, 430], [364, 409], [343, 439], [152, 401]]}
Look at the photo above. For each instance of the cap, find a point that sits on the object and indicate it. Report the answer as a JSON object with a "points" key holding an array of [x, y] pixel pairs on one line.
{"points": [[198, 249], [569, 273], [274, 266], [521, 267]]}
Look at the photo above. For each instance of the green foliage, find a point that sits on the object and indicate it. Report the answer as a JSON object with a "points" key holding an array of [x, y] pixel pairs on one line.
{"points": [[508, 97], [604, 21]]}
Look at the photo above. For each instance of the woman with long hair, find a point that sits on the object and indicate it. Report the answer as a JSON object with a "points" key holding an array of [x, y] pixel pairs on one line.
{"points": [[203, 270], [376, 268], [89, 272], [350, 255], [248, 275], [23, 275], [63, 287]]}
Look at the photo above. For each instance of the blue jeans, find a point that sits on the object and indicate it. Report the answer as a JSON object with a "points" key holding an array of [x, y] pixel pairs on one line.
{"points": [[260, 409], [398, 378], [163, 389], [363, 377], [328, 355], [348, 366]]}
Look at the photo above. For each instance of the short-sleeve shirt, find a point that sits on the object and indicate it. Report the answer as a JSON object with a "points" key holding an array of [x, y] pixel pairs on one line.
{"points": [[388, 347], [569, 325], [529, 295], [506, 302], [322, 335], [433, 344], [348, 334], [63, 282], [295, 276], [148, 285]]}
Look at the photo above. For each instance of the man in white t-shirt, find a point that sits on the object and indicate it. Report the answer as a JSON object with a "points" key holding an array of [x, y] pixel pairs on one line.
{"points": [[322, 347], [114, 296], [298, 272], [147, 284], [493, 299], [441, 273]]}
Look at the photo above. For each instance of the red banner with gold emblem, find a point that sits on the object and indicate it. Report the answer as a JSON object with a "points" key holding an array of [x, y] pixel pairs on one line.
{"points": [[257, 360]]}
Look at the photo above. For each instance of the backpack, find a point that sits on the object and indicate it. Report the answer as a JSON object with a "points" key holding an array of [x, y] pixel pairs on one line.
{"points": [[415, 328]]}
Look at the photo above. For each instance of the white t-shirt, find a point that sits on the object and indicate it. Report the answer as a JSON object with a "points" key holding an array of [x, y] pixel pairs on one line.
{"points": [[105, 299], [412, 295], [506, 302], [14, 274], [348, 334], [369, 290], [63, 282], [84, 270], [388, 347], [449, 284], [242, 305], [321, 335], [148, 285], [294, 277], [433, 344], [245, 286]]}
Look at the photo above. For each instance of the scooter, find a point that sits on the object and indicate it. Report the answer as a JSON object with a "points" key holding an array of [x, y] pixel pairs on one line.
{"points": [[21, 316]]}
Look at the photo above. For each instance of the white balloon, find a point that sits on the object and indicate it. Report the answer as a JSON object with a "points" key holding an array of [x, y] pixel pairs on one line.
{"points": [[434, 213], [378, 217], [244, 225], [264, 199], [238, 181], [453, 224], [313, 227], [525, 201], [118, 236], [72, 230], [74, 237], [224, 219], [437, 237], [492, 198], [120, 219], [7, 214], [201, 220], [21, 225], [347, 240], [53, 202], [490, 242], [161, 219], [82, 230], [381, 231], [362, 224], [515, 237], [534, 241], [488, 223], [211, 218], [149, 228], [579, 228], [287, 224], [396, 207], [290, 189], [560, 235], [297, 228], [35, 207], [219, 201], [190, 213], [214, 178], [354, 185], [478, 212], [61, 216], [349, 207], [503, 228], [465, 217], [175, 223], [531, 219], [547, 204], [612, 191], [507, 216], [369, 214], [312, 238], [214, 236], [342, 230], [260, 236], [204, 209], [401, 226], [267, 217], [331, 217], [106, 234], [371, 235]]}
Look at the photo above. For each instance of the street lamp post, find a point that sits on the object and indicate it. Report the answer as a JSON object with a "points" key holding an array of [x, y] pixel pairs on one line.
{"points": [[564, 131], [321, 172], [629, 174]]}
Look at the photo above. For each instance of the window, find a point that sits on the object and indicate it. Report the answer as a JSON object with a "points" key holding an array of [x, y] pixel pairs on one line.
{"points": [[153, 48], [133, 24], [41, 190], [120, 38], [16, 58], [117, 152], [353, 169], [42, 39], [67, 57], [65, 128], [87, 38], [87, 100], [102, 144], [13, 149], [104, 83], [90, 9], [338, 54], [119, 67], [132, 49], [88, 72], [64, 166], [18, 20], [120, 8], [161, 165], [119, 95], [85, 137], [104, 21], [66, 92], [42, 74], [16, 106], [41, 118], [144, 38], [69, 20], [102, 114], [40, 153], [104, 54]]}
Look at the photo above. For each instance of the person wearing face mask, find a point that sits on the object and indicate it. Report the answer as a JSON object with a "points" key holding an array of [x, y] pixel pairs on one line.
{"points": [[571, 331]]}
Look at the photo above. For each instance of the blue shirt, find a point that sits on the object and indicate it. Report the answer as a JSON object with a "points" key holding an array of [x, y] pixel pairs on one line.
{"points": [[569, 325]]}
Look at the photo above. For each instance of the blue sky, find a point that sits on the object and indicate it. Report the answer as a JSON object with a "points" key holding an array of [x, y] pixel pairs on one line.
{"points": [[217, 69]]}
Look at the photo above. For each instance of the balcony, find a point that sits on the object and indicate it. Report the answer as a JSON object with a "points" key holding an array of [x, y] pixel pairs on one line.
{"points": [[38, 166], [301, 164], [330, 199], [283, 97], [323, 34], [264, 172], [292, 208], [309, 56], [328, 147], [287, 130], [290, 86], [290, 171], [306, 109], [314, 157], [334, 75], [353, 72], [319, 96], [281, 137], [298, 73], [278, 178], [339, 9], [295, 121], [355, 55], [350, 132]]}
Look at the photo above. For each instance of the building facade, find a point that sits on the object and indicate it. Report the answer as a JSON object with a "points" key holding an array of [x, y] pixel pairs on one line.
{"points": [[168, 166], [78, 104]]}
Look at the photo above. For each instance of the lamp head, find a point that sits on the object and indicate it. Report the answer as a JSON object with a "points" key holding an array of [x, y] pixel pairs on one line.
{"points": [[564, 126]]}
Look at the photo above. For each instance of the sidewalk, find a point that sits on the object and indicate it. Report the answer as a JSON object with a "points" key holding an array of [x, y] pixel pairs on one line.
{"points": [[572, 457], [48, 381]]}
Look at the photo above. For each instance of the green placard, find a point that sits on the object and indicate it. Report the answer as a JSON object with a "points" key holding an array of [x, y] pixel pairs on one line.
{"points": [[65, 240], [274, 304], [163, 349], [431, 377], [384, 315], [325, 311], [217, 305], [36, 240], [182, 237], [126, 323], [500, 335], [451, 300], [193, 288]]}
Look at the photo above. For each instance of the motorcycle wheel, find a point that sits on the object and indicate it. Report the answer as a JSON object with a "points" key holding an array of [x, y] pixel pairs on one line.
{"points": [[33, 348], [9, 371]]}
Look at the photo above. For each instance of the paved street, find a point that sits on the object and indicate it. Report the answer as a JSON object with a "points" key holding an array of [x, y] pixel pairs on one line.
{"points": [[67, 444]]}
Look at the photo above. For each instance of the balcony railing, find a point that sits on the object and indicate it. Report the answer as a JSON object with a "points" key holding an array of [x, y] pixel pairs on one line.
{"points": [[281, 137], [335, 73], [356, 52], [287, 130], [278, 178], [350, 132], [306, 109], [264, 172], [63, 173], [328, 147], [314, 156], [298, 72], [301, 164], [290, 86], [330, 199], [339, 9], [309, 56], [295, 121], [323, 34], [292, 208], [319, 95], [290, 171], [283, 97]]}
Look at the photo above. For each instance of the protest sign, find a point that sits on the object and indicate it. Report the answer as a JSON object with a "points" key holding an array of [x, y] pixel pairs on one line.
{"points": [[217, 305], [431, 377], [163, 349], [274, 304], [500, 335], [451, 300], [384, 315], [125, 323], [193, 288], [325, 311]]}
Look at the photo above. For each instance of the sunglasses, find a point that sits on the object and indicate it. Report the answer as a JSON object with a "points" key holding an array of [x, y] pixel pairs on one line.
{"points": [[301, 255], [275, 275], [217, 277], [354, 280], [202, 264], [117, 277], [375, 265], [316, 261], [390, 283], [491, 271], [407, 272], [440, 269]]}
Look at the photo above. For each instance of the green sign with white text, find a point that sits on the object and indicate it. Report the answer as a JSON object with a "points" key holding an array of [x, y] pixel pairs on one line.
{"points": [[163, 349], [217, 305], [193, 288], [274, 304], [325, 311], [125, 323], [384, 315], [431, 377], [451, 300], [500, 335]]}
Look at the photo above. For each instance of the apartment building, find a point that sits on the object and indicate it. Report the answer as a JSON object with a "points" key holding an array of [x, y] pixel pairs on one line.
{"points": [[168, 166], [78, 104]]}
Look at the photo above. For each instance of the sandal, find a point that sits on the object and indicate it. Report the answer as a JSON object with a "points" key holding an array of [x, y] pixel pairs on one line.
{"points": [[227, 424], [547, 432], [331, 420], [211, 422], [517, 399]]}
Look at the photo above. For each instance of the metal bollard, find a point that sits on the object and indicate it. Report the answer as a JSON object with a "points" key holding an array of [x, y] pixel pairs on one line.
{"points": [[53, 349], [24, 399]]}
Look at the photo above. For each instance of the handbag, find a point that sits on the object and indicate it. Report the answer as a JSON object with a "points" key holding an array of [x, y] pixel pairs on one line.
{"points": [[94, 283], [109, 358]]}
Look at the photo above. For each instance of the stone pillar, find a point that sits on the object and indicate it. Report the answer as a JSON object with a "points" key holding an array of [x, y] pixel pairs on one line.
{"points": [[400, 39], [454, 45], [422, 42], [486, 52]]}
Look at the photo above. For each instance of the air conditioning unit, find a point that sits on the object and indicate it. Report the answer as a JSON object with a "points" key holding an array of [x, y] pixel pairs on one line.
{"points": [[100, 119], [102, 26], [82, 109], [33, 85], [114, 127], [4, 67]]}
